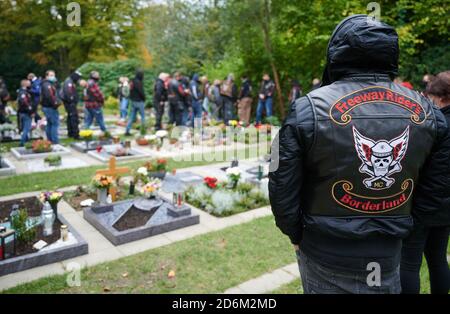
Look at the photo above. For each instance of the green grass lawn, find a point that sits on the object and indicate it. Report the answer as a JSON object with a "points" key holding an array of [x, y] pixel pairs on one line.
{"points": [[209, 263]]}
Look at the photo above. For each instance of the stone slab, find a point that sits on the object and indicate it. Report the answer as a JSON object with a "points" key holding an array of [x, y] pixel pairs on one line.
{"points": [[161, 222], [105, 156], [18, 152], [38, 165], [82, 148], [7, 168]]}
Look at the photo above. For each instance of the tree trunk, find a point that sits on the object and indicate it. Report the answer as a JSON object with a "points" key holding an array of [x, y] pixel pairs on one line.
{"points": [[265, 23]]}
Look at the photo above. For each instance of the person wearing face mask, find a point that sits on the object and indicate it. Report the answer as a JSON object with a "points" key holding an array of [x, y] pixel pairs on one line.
{"points": [[70, 98], [432, 212], [93, 102], [50, 103], [25, 110]]}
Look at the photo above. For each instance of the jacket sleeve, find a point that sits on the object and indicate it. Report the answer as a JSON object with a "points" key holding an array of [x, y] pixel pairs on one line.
{"points": [[286, 176], [141, 90], [433, 191]]}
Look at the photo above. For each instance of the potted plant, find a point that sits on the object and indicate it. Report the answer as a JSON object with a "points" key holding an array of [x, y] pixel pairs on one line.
{"points": [[141, 140], [41, 146], [53, 161], [102, 183], [53, 198], [157, 169]]}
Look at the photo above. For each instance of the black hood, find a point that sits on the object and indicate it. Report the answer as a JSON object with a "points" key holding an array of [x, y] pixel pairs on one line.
{"points": [[140, 75], [360, 45]]}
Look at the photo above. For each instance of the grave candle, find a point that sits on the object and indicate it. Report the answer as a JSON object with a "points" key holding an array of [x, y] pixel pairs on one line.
{"points": [[48, 218], [64, 233], [132, 188]]}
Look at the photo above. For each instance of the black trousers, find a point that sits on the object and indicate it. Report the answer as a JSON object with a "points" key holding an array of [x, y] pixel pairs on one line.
{"points": [[73, 120], [176, 112], [433, 242], [159, 110]]}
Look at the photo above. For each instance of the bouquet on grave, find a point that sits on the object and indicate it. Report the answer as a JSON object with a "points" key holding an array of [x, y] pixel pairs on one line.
{"points": [[86, 135], [41, 146], [151, 188], [51, 197], [102, 182]]}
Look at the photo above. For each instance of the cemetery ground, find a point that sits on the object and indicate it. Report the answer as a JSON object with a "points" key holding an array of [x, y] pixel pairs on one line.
{"points": [[228, 251]]}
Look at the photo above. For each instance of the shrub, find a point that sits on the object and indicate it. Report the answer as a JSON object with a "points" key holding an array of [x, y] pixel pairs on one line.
{"points": [[19, 224]]}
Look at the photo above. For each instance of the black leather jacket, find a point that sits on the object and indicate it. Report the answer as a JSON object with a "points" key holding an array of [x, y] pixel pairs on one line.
{"points": [[345, 225]]}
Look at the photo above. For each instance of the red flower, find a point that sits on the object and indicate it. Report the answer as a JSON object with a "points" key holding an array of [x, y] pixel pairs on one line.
{"points": [[211, 182]]}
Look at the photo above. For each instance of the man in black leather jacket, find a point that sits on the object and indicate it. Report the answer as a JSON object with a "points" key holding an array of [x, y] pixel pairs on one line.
{"points": [[347, 161]]}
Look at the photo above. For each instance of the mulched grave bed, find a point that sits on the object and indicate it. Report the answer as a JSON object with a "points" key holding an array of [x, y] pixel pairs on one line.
{"points": [[134, 218], [34, 207], [82, 193]]}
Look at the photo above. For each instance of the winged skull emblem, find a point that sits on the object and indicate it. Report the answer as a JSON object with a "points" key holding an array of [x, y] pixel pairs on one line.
{"points": [[381, 159]]}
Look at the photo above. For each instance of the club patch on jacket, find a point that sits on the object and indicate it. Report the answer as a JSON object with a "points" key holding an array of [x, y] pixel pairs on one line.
{"points": [[341, 110]]}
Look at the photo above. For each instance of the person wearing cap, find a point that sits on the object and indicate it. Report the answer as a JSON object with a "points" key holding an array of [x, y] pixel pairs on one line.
{"points": [[346, 165], [93, 102], [70, 98]]}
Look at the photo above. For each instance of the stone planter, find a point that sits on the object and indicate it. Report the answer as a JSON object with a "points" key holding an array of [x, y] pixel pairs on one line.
{"points": [[157, 175]]}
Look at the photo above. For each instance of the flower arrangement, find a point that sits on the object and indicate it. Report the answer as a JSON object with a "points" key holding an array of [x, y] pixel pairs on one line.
{"points": [[233, 123], [234, 175], [160, 165], [211, 182], [102, 182], [51, 197], [151, 188], [41, 146], [141, 175], [162, 134], [87, 135]]}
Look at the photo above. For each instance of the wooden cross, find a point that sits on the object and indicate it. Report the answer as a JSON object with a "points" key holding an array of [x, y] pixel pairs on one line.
{"points": [[114, 173]]}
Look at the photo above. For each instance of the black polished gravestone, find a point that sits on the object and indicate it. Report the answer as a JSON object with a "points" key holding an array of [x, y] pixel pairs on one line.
{"points": [[136, 219]]}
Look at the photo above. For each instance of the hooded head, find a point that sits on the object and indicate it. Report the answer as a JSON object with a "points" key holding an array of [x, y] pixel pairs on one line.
{"points": [[360, 44], [196, 78], [140, 75], [95, 76], [76, 76]]}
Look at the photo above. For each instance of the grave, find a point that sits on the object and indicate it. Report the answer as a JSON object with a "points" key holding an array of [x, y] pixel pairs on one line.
{"points": [[39, 165], [25, 256], [118, 151], [22, 153], [6, 167], [140, 218], [84, 147]]}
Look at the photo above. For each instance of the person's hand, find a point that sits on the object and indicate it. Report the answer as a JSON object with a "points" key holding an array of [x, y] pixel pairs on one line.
{"points": [[296, 247]]}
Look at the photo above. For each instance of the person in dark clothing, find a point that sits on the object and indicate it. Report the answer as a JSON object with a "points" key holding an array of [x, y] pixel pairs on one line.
{"points": [[160, 99], [229, 95], [197, 99], [137, 97], [70, 99], [94, 102], [35, 91], [187, 100], [50, 103], [266, 93], [245, 101], [346, 163], [4, 97], [25, 110], [176, 95], [296, 91], [432, 213]]}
